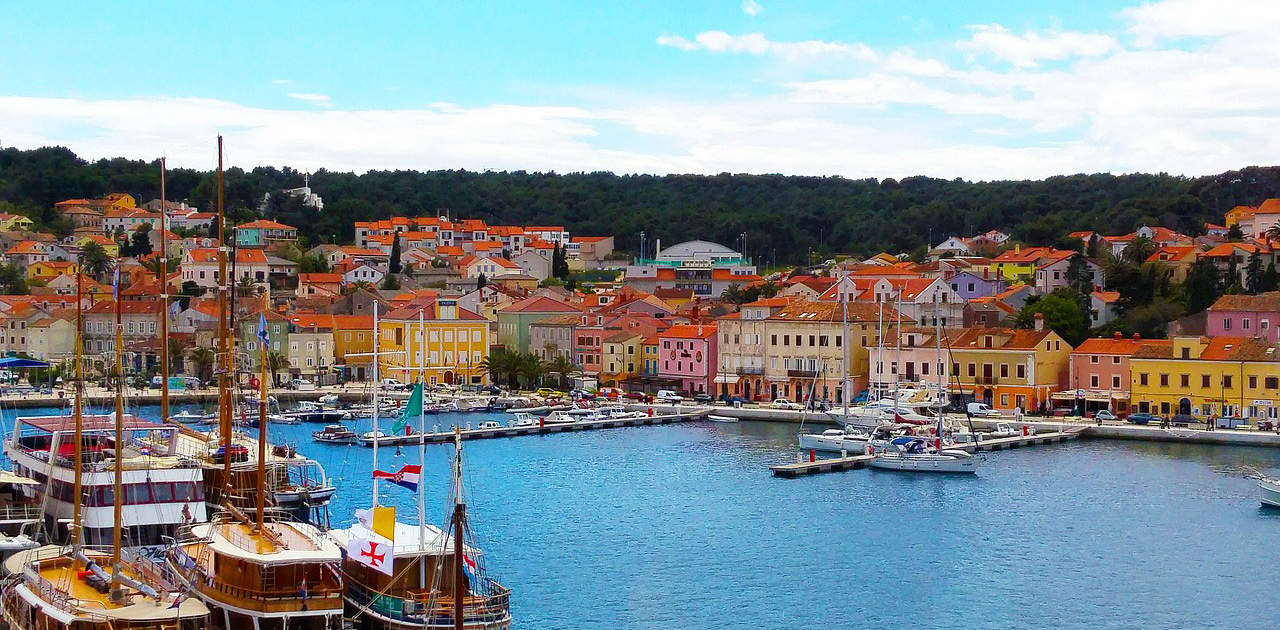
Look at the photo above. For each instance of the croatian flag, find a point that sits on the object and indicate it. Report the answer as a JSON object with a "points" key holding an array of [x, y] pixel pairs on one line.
{"points": [[469, 568], [406, 477], [262, 330]]}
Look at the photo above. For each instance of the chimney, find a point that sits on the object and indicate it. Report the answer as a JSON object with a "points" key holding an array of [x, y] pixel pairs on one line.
{"points": [[1118, 336], [1136, 336], [1039, 321], [1017, 249]]}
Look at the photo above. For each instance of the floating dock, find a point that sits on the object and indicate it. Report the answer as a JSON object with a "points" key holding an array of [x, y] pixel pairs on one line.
{"points": [[854, 462], [444, 437]]}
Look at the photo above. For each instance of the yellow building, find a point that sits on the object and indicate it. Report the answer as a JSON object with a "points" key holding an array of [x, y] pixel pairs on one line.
{"points": [[10, 222], [353, 345], [48, 270], [621, 356], [108, 245], [456, 343], [1207, 377], [1007, 368]]}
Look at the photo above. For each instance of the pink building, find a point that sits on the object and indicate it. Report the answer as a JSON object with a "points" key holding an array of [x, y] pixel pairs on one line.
{"points": [[687, 352], [1100, 368], [1245, 316]]}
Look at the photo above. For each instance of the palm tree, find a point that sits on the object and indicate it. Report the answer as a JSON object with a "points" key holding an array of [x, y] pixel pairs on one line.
{"points": [[245, 287], [94, 260], [529, 368], [1273, 232], [562, 366], [203, 359], [501, 364], [732, 294], [276, 361]]}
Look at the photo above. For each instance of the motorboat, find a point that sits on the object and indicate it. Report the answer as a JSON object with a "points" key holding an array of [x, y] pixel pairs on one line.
{"points": [[329, 401], [1270, 491], [885, 410], [335, 434], [848, 439], [913, 454], [367, 438], [725, 419], [560, 417], [488, 425], [616, 411], [189, 417], [523, 419]]}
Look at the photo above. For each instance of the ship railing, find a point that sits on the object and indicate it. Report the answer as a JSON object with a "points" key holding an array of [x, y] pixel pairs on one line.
{"points": [[432, 608], [57, 597], [20, 512]]}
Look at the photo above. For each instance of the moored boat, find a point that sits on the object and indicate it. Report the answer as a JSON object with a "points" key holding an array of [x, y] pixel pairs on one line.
{"points": [[1269, 490], [335, 434]]}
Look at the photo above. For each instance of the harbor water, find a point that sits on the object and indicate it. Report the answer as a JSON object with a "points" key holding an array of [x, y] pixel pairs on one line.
{"points": [[682, 526]]}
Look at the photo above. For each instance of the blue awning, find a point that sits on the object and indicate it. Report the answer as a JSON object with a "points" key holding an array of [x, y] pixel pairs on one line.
{"points": [[15, 362]]}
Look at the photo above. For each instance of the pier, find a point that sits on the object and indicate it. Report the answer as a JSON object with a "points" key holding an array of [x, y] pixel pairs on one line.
{"points": [[854, 462], [444, 437]]}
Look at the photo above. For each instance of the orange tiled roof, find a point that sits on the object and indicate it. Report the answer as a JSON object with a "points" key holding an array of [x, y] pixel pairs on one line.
{"points": [[264, 224]]}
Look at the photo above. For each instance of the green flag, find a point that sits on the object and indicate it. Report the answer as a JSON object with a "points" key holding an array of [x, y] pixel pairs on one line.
{"points": [[412, 408]]}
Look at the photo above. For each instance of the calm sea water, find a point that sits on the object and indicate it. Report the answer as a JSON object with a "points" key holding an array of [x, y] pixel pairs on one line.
{"points": [[683, 527]]}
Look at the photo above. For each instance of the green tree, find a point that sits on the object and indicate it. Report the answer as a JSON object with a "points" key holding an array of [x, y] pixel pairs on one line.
{"points": [[1202, 286], [1235, 234], [1253, 274], [312, 264], [1062, 314], [14, 280], [203, 359], [1270, 282], [1139, 250], [502, 366], [390, 283], [563, 368], [139, 243], [481, 281], [94, 260], [1079, 275], [395, 265], [276, 363], [732, 294], [530, 369]]}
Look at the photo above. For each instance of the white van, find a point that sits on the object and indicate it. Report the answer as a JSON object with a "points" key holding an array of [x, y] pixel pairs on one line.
{"points": [[981, 410], [668, 396]]}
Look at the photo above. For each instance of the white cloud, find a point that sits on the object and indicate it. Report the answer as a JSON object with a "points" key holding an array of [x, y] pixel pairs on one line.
{"points": [[758, 44], [309, 97], [1172, 19], [1031, 47], [751, 7]]}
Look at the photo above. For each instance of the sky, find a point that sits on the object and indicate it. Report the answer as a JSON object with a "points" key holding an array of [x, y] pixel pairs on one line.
{"points": [[980, 90]]}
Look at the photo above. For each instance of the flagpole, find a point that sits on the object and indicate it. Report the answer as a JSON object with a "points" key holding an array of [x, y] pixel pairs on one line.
{"points": [[263, 337], [376, 384], [164, 300], [422, 446]]}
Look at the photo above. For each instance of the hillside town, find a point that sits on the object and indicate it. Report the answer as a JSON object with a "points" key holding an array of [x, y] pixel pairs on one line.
{"points": [[512, 305]]}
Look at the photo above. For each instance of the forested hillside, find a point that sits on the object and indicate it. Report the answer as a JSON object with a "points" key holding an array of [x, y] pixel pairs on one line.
{"points": [[784, 217]]}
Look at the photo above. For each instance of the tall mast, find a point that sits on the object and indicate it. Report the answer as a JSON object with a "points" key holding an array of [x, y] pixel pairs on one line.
{"points": [[879, 350], [897, 359], [422, 445], [77, 534], [376, 385], [164, 301], [224, 346], [262, 420], [937, 334], [844, 317], [459, 518], [117, 498]]}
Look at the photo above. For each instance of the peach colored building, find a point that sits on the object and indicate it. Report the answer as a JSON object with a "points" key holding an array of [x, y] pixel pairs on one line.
{"points": [[1100, 370]]}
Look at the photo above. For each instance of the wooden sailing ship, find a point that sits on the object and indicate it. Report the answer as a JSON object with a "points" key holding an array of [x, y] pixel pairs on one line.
{"points": [[262, 572], [78, 587], [434, 579]]}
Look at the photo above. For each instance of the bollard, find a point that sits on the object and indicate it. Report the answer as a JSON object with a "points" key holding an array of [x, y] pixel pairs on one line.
{"points": [[844, 454], [813, 455], [937, 444], [542, 421], [870, 449], [1024, 430], [650, 412]]}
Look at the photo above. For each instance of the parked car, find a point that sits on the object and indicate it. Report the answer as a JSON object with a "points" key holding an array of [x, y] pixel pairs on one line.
{"points": [[702, 398], [391, 384], [547, 392], [982, 410], [636, 395], [734, 400], [783, 403], [669, 396], [1142, 418], [302, 385], [1104, 415], [1182, 419]]}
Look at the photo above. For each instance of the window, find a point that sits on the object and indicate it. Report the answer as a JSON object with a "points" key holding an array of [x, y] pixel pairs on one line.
{"points": [[1244, 324], [973, 369], [1022, 371], [1271, 382], [1164, 380], [1204, 380], [1226, 323], [1093, 381], [1004, 400], [1115, 360], [1226, 381], [1115, 382], [1004, 370], [1253, 382], [1184, 380], [773, 340], [1094, 359]]}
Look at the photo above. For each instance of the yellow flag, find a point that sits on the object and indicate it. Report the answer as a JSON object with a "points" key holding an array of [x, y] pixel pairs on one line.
{"points": [[384, 522]]}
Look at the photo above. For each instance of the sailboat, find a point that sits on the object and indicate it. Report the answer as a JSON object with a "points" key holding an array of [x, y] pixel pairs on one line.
{"points": [[265, 571], [79, 587], [918, 454], [401, 575]]}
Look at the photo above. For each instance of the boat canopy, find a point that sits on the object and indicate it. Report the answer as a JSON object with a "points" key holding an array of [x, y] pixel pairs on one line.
{"points": [[18, 362]]}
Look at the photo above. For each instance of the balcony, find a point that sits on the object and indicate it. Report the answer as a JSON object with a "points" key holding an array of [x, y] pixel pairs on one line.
{"points": [[804, 373], [745, 371]]}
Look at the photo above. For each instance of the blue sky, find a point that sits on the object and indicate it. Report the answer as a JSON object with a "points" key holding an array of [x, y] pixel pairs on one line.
{"points": [[976, 89]]}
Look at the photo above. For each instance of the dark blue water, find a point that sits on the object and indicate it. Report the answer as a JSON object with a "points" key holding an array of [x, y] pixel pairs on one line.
{"points": [[683, 527]]}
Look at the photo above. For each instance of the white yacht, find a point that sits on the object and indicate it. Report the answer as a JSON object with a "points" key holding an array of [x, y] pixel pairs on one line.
{"points": [[913, 454], [523, 419], [1270, 491]]}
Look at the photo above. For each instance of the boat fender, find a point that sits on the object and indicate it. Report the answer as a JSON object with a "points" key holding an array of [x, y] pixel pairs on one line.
{"points": [[870, 449], [1024, 430]]}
